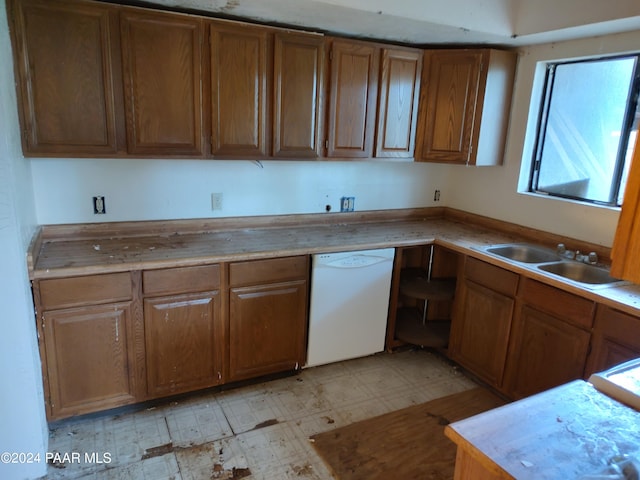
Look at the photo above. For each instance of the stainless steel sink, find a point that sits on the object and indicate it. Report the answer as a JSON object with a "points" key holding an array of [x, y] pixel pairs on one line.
{"points": [[523, 252], [580, 272]]}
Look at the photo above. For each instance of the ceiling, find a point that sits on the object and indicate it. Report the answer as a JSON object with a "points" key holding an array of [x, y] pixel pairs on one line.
{"points": [[425, 22]]}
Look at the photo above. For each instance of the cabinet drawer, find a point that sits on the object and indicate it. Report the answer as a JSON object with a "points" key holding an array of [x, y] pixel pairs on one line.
{"points": [[268, 271], [87, 290], [181, 280], [618, 326], [567, 306], [495, 278]]}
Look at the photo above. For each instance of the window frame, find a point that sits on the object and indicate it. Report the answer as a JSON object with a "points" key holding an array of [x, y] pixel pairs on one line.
{"points": [[627, 127]]}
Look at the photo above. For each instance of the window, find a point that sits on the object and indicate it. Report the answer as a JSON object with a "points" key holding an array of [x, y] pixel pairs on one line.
{"points": [[588, 122]]}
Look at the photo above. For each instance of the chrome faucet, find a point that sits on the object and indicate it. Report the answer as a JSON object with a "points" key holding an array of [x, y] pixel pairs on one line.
{"points": [[590, 258], [563, 252]]}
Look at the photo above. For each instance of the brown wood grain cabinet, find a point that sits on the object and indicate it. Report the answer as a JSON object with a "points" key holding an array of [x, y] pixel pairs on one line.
{"points": [[67, 66], [298, 95], [268, 303], [398, 103], [373, 100], [625, 253], [481, 322], [184, 331], [466, 96], [164, 84], [162, 73], [616, 339], [549, 340], [90, 342], [240, 90], [353, 92]]}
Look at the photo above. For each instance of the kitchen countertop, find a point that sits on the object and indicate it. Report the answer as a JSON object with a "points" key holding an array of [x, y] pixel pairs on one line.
{"points": [[564, 433], [91, 250]]}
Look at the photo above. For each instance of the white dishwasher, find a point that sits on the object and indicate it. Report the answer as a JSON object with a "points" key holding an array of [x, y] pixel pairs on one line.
{"points": [[349, 304]]}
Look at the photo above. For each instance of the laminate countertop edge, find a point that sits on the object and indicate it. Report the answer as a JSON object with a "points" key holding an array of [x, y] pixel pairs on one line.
{"points": [[56, 256]]}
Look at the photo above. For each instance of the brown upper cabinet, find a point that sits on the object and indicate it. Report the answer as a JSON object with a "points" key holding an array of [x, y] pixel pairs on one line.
{"points": [[398, 103], [466, 96], [67, 63], [298, 93], [353, 91], [165, 84], [373, 100], [162, 70], [239, 90]]}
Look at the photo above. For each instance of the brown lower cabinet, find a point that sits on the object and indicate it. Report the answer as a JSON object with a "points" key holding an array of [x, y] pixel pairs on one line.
{"points": [[90, 343], [267, 316], [481, 321], [184, 334], [516, 334], [616, 339], [115, 339], [549, 341]]}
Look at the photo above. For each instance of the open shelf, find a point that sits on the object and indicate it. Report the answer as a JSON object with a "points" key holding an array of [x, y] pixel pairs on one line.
{"points": [[422, 296], [415, 283], [411, 329]]}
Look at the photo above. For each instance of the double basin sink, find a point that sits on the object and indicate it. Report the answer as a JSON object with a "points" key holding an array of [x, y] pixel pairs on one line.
{"points": [[547, 260]]}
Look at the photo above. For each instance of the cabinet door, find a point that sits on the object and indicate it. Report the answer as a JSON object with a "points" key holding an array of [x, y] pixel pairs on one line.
{"points": [[625, 254], [398, 105], [480, 331], [352, 99], [616, 339], [162, 58], [63, 53], [90, 358], [182, 342], [298, 84], [239, 91], [267, 328], [449, 94], [544, 352]]}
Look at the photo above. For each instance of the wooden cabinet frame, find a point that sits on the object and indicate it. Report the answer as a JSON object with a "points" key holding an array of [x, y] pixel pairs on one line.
{"points": [[162, 56], [153, 83], [298, 96], [240, 86], [91, 341], [55, 47], [464, 106]]}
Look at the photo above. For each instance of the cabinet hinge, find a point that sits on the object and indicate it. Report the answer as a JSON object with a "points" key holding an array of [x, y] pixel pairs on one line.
{"points": [[326, 144], [219, 376]]}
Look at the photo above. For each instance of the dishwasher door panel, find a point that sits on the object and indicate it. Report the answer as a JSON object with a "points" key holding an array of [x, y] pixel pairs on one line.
{"points": [[349, 305]]}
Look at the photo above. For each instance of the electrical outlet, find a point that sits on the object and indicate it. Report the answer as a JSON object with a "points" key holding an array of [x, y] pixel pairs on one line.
{"points": [[347, 204], [436, 196], [99, 205], [216, 201]]}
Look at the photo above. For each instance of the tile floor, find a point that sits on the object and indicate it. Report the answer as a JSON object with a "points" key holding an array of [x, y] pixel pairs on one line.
{"points": [[255, 432]]}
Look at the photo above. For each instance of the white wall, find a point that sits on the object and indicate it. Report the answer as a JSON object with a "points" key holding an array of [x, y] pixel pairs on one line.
{"points": [[492, 191], [150, 189], [23, 426]]}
